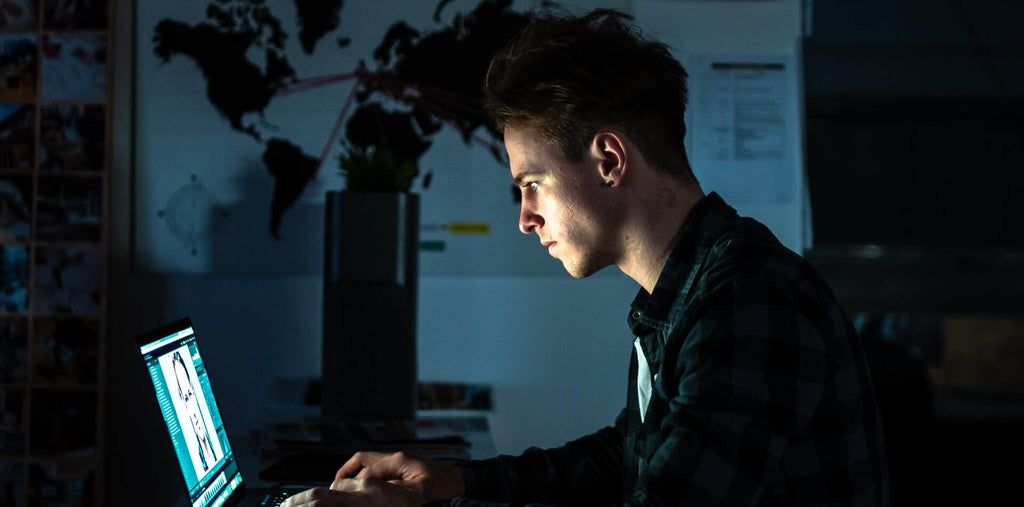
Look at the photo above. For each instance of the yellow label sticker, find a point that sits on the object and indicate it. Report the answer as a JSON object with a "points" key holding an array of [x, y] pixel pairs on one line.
{"points": [[468, 228]]}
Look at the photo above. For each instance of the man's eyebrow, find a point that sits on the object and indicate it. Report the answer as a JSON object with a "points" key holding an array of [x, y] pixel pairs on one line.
{"points": [[526, 174]]}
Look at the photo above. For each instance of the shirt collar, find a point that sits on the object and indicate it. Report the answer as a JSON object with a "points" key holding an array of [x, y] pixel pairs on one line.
{"points": [[702, 227]]}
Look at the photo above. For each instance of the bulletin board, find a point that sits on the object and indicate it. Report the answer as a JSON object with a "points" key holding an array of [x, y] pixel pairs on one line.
{"points": [[53, 179]]}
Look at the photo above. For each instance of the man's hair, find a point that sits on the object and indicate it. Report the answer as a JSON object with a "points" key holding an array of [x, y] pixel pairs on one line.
{"points": [[567, 77]]}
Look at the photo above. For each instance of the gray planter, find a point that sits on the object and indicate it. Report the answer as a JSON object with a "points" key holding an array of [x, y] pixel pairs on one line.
{"points": [[369, 314]]}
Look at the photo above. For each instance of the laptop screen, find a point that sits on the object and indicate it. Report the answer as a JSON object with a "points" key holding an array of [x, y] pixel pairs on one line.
{"points": [[186, 401]]}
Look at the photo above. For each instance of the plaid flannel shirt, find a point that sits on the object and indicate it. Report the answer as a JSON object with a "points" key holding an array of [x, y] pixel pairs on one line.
{"points": [[748, 386]]}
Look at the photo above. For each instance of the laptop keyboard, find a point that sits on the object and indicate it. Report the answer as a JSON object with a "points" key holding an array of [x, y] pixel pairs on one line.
{"points": [[274, 499]]}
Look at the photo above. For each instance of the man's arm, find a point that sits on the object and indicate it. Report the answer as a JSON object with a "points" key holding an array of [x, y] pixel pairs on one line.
{"points": [[748, 374], [586, 470]]}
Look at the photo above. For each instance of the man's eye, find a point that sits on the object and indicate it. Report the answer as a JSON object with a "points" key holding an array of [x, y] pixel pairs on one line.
{"points": [[531, 185]]}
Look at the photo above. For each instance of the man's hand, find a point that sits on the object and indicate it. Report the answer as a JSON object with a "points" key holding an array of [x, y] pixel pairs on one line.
{"points": [[357, 493], [430, 479]]}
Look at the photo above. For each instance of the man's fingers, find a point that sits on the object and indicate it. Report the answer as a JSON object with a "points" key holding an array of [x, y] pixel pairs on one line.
{"points": [[340, 490], [384, 466], [356, 493], [354, 485], [357, 463], [322, 495], [408, 485]]}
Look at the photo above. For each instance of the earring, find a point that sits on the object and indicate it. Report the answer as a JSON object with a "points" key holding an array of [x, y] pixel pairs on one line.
{"points": [[609, 183]]}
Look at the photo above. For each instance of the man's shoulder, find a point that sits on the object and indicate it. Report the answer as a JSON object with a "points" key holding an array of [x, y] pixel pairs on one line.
{"points": [[747, 257], [748, 271], [747, 248]]}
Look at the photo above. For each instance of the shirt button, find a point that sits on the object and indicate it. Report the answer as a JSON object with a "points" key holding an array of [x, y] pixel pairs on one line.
{"points": [[636, 315]]}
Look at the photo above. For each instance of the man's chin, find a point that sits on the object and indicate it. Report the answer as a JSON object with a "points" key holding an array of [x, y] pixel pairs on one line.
{"points": [[581, 271]]}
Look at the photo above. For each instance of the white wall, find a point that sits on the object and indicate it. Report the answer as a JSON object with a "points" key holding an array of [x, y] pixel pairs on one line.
{"points": [[555, 349], [700, 32]]}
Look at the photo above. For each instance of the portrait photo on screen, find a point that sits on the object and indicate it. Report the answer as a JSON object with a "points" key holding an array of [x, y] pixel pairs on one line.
{"points": [[197, 427]]}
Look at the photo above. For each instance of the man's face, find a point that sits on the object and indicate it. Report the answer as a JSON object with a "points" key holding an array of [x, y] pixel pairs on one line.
{"points": [[562, 203]]}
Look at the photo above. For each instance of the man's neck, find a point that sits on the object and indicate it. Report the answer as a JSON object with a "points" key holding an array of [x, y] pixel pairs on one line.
{"points": [[655, 234]]}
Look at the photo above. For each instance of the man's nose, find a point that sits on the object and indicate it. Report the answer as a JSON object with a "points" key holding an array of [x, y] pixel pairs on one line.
{"points": [[528, 220]]}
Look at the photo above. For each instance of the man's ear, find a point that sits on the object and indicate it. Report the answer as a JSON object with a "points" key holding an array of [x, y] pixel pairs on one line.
{"points": [[609, 149]]}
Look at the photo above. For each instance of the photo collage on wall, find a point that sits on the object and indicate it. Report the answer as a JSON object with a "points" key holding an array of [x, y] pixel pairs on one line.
{"points": [[53, 128]]}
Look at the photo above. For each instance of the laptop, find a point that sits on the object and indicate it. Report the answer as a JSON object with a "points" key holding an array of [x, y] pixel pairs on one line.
{"points": [[185, 396]]}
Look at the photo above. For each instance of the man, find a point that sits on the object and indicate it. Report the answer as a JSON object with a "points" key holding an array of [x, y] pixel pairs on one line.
{"points": [[748, 385]]}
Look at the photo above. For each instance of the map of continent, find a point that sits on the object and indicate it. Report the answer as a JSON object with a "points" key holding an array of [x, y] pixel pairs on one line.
{"points": [[436, 75]]}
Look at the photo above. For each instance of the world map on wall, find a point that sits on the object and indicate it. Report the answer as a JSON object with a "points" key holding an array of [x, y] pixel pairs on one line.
{"points": [[437, 76]]}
